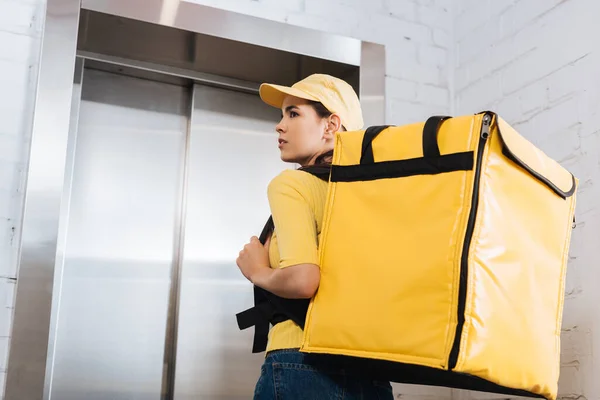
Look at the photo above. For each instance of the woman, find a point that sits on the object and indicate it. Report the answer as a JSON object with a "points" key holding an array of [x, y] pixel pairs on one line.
{"points": [[313, 110]]}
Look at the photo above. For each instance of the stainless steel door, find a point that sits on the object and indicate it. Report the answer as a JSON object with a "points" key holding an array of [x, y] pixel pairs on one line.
{"points": [[121, 239], [232, 156]]}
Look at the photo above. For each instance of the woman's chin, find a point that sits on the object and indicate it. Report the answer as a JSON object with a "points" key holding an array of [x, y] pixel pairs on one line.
{"points": [[287, 157]]}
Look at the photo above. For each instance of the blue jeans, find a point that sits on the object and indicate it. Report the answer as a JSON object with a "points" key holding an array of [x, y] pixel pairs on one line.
{"points": [[289, 375]]}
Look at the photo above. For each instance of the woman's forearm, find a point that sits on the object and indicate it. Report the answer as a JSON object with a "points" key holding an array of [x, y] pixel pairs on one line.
{"points": [[296, 282]]}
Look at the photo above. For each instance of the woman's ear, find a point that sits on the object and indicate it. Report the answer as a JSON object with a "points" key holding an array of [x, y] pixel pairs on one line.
{"points": [[334, 124]]}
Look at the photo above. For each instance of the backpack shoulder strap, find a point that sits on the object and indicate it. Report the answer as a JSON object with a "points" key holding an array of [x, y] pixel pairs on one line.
{"points": [[320, 171], [262, 313], [268, 307]]}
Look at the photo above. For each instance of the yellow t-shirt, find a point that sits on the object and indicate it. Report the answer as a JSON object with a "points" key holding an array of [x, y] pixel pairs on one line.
{"points": [[297, 201]]}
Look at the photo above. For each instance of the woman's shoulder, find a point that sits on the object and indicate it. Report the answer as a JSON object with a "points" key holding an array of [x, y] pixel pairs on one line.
{"points": [[295, 179]]}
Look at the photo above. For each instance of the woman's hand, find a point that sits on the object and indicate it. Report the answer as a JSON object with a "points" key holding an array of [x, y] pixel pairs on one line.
{"points": [[294, 282], [254, 258]]}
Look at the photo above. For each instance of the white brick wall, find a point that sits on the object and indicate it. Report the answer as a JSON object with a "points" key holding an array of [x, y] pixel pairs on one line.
{"points": [[533, 61]]}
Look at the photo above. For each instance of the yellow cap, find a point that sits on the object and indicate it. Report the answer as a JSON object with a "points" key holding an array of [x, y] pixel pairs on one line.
{"points": [[335, 94]]}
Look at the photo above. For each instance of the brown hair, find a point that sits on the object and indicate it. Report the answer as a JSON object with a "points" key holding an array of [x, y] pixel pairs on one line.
{"points": [[322, 111]]}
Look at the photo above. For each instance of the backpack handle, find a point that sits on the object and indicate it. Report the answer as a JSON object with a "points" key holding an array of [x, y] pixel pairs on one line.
{"points": [[366, 156], [430, 133]]}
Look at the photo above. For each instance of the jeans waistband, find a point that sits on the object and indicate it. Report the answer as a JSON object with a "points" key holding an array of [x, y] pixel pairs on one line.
{"points": [[283, 351]]}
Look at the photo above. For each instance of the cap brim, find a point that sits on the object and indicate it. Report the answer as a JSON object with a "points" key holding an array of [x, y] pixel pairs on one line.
{"points": [[274, 95]]}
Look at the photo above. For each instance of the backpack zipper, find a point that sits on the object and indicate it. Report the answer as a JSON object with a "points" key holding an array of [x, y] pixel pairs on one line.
{"points": [[462, 289]]}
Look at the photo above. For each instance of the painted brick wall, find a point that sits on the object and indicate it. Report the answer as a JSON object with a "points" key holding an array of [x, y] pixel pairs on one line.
{"points": [[533, 61], [20, 29]]}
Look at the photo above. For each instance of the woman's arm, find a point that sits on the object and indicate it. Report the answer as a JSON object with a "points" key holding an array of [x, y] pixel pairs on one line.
{"points": [[297, 274], [293, 282], [296, 282]]}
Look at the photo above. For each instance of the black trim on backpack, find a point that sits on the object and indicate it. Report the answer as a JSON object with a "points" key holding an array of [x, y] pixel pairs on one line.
{"points": [[507, 152], [403, 168], [270, 309], [383, 370], [564, 195]]}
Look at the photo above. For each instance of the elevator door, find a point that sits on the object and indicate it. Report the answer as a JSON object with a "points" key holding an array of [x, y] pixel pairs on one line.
{"points": [[120, 244], [232, 156], [168, 184]]}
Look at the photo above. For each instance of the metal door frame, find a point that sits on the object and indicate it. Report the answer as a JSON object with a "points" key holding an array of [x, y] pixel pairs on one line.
{"points": [[41, 248]]}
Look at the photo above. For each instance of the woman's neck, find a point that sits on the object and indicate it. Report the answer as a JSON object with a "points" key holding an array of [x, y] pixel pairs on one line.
{"points": [[321, 158]]}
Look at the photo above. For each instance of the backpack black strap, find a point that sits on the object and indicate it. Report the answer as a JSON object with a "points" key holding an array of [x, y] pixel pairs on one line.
{"points": [[268, 307]]}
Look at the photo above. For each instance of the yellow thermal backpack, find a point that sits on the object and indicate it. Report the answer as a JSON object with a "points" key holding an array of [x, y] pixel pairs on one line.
{"points": [[443, 258]]}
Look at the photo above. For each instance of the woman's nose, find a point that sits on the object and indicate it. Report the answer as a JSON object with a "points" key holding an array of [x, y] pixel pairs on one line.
{"points": [[280, 127]]}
